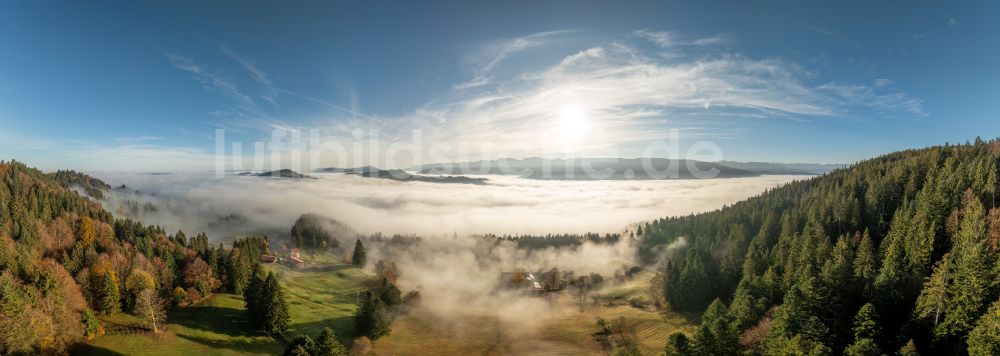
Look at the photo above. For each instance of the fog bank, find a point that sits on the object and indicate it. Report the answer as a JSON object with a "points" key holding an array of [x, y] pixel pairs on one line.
{"points": [[235, 205]]}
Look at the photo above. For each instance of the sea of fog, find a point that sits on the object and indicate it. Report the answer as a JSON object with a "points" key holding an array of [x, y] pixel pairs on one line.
{"points": [[456, 276], [235, 205]]}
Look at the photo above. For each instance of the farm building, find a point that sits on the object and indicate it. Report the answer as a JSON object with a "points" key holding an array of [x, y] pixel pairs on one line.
{"points": [[269, 259], [551, 280], [519, 279]]}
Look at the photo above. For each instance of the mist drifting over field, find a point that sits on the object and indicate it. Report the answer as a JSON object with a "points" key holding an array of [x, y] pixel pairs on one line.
{"points": [[457, 275]]}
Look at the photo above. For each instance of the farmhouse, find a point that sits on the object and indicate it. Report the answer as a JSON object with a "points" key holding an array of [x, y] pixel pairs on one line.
{"points": [[518, 280], [543, 281], [269, 259]]}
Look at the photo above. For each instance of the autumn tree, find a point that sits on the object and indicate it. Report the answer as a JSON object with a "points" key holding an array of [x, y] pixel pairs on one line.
{"points": [[87, 231], [149, 307], [137, 282]]}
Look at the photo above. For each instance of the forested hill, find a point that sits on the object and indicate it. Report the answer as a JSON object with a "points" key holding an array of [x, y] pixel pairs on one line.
{"points": [[64, 260], [893, 254]]}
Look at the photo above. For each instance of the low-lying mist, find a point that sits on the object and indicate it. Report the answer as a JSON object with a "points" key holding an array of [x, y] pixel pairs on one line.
{"points": [[232, 206], [458, 276]]}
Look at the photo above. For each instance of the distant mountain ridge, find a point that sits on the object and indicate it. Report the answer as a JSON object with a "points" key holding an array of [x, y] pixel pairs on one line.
{"points": [[621, 168], [281, 173], [785, 168], [400, 175]]}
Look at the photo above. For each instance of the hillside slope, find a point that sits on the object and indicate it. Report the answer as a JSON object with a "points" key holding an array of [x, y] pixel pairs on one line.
{"points": [[67, 266], [893, 252]]}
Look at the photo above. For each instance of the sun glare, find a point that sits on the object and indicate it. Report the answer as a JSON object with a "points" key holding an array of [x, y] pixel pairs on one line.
{"points": [[572, 123]]}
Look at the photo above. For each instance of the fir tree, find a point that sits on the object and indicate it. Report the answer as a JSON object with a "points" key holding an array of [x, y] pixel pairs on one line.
{"points": [[984, 340], [372, 319], [865, 333], [389, 294], [678, 345], [109, 300], [972, 276], [327, 345], [301, 346], [935, 295], [359, 257], [253, 293], [274, 307]]}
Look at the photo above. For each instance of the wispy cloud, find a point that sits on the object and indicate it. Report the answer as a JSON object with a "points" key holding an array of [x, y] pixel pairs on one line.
{"points": [[631, 96], [620, 95], [837, 37], [851, 96], [660, 38], [666, 39], [883, 82], [721, 39], [248, 111], [139, 138], [214, 82], [491, 55], [951, 21], [256, 73]]}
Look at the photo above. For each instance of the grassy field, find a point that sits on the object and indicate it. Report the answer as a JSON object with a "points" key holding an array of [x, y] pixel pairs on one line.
{"points": [[322, 294], [565, 331], [216, 326]]}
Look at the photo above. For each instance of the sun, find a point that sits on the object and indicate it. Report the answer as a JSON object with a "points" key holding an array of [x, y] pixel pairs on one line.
{"points": [[571, 123]]}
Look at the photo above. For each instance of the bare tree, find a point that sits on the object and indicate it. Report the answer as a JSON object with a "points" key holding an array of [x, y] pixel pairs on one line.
{"points": [[149, 308], [622, 329]]}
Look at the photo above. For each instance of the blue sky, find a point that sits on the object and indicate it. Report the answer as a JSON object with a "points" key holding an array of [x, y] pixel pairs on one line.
{"points": [[144, 85]]}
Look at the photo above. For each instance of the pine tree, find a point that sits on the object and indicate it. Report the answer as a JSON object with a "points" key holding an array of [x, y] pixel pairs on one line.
{"points": [[389, 294], [910, 349], [972, 276], [866, 323], [678, 345], [108, 297], [865, 259], [301, 346], [797, 323], [327, 345], [716, 335], [274, 306], [749, 302], [253, 293], [985, 337], [238, 273], [935, 295], [863, 347], [372, 319], [866, 331], [359, 257]]}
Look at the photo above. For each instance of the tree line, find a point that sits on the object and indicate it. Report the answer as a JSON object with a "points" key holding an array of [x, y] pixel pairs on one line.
{"points": [[64, 260], [895, 254]]}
